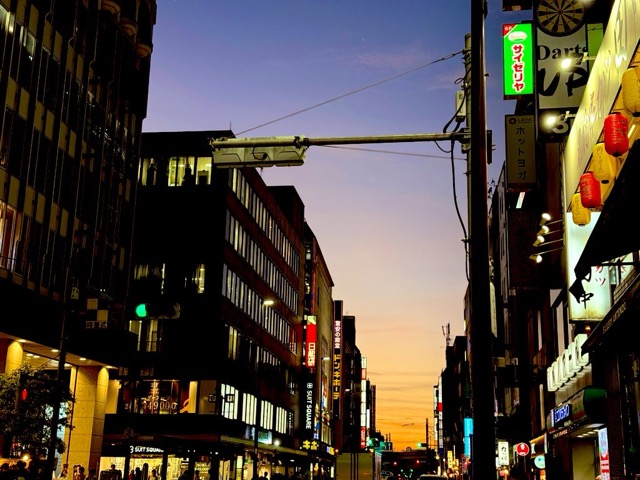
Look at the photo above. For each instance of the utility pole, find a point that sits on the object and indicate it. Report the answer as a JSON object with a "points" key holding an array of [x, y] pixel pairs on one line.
{"points": [[426, 439], [483, 464]]}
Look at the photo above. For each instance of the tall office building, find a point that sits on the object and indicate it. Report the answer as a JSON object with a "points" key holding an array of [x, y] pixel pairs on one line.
{"points": [[74, 83]]}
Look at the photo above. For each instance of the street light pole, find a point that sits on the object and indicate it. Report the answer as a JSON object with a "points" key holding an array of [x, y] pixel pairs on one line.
{"points": [[255, 437], [68, 301], [265, 303], [256, 430]]}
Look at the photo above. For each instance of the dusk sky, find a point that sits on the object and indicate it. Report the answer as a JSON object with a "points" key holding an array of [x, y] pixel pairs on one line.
{"points": [[390, 218]]}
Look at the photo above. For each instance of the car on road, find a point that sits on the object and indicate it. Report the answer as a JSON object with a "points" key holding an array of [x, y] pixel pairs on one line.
{"points": [[432, 476]]}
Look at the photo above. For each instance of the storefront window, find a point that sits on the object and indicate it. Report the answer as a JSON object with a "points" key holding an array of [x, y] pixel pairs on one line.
{"points": [[164, 397]]}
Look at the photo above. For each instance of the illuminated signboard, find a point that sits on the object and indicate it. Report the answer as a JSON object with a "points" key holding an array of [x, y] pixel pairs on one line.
{"points": [[468, 431], [337, 366], [521, 154], [308, 404], [518, 59], [571, 362], [560, 414], [311, 340], [603, 450], [503, 453]]}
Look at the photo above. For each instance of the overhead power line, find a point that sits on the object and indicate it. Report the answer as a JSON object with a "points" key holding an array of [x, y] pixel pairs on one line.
{"points": [[353, 92], [409, 154]]}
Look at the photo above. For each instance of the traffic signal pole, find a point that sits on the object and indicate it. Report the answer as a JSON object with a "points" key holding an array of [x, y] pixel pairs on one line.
{"points": [[303, 141]]}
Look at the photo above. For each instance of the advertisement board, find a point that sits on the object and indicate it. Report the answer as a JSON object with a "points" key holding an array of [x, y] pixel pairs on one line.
{"points": [[518, 59]]}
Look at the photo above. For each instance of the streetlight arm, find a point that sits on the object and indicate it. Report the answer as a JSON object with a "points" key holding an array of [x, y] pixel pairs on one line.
{"points": [[289, 151], [302, 141]]}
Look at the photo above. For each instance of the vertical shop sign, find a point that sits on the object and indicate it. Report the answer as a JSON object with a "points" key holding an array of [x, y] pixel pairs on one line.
{"points": [[518, 59], [337, 367], [312, 339], [503, 453], [603, 449], [521, 159], [468, 432], [308, 407]]}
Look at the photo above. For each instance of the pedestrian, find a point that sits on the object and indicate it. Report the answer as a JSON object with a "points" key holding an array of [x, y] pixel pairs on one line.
{"points": [[92, 474], [79, 473], [36, 470], [187, 178], [151, 174], [64, 473], [21, 472], [5, 471], [154, 474], [114, 473]]}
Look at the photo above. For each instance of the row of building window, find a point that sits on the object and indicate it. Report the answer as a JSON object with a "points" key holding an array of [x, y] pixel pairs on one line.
{"points": [[242, 243], [40, 80], [243, 350], [21, 251], [168, 397], [27, 150], [269, 226], [178, 171], [247, 300]]}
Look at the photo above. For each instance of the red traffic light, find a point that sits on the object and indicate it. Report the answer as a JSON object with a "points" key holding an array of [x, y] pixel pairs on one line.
{"points": [[24, 394]]}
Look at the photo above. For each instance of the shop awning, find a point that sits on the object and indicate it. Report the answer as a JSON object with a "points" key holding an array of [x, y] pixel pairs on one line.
{"points": [[613, 236], [586, 407]]}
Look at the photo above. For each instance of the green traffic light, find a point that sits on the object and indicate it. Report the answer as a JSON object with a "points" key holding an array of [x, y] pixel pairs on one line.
{"points": [[141, 310]]}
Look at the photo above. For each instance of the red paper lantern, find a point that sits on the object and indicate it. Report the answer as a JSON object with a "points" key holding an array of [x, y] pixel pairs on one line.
{"points": [[616, 129], [590, 194]]}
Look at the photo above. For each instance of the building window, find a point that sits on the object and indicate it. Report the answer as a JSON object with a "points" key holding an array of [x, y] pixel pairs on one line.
{"points": [[229, 401], [160, 397], [26, 57], [7, 233]]}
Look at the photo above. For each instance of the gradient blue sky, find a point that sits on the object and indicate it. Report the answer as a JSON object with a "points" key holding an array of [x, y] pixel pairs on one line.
{"points": [[385, 214]]}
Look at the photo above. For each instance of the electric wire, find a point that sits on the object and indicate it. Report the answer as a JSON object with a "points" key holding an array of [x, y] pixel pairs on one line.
{"points": [[450, 151], [353, 92], [465, 238], [391, 152]]}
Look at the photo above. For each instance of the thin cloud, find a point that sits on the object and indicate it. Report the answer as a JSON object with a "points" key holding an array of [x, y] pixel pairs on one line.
{"points": [[400, 59]]}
